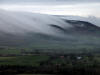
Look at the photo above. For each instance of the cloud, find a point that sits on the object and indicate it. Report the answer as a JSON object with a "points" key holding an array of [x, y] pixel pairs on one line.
{"points": [[50, 1], [79, 9], [82, 8], [91, 19], [25, 22]]}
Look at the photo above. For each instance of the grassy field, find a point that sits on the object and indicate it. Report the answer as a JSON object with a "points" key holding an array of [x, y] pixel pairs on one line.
{"points": [[36, 60], [58, 49], [45, 63], [23, 60]]}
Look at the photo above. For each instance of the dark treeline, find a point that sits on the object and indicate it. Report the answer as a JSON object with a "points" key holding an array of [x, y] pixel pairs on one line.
{"points": [[13, 70]]}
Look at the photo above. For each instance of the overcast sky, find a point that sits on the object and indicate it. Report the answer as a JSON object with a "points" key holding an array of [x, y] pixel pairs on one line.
{"points": [[54, 7], [50, 1]]}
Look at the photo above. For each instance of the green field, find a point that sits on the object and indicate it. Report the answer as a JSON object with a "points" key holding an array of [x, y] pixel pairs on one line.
{"points": [[43, 64], [23, 60], [46, 61], [36, 60], [8, 51]]}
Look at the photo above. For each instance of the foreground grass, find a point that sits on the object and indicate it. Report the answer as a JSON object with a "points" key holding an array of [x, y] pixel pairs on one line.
{"points": [[34, 74]]}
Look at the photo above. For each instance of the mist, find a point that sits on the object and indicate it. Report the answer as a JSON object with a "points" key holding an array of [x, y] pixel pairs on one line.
{"points": [[25, 22], [91, 19]]}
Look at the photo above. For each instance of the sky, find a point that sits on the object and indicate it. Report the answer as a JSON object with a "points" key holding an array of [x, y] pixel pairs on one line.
{"points": [[82, 8]]}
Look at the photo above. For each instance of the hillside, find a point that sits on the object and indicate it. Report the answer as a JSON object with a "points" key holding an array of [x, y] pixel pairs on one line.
{"points": [[39, 30]]}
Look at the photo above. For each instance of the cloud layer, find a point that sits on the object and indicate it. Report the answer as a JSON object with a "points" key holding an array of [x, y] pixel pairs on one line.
{"points": [[49, 1]]}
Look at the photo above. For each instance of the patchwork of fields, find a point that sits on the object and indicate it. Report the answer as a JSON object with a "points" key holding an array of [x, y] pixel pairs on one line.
{"points": [[34, 62]]}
